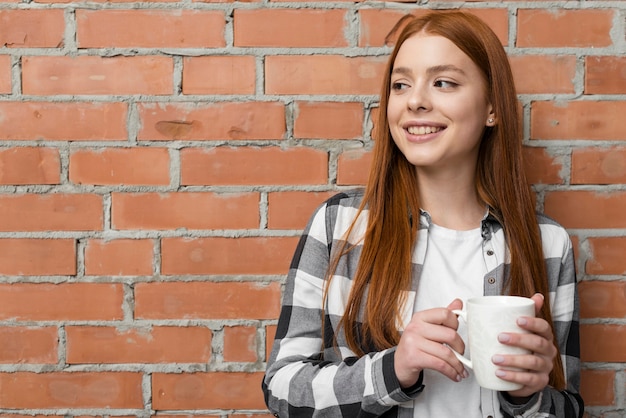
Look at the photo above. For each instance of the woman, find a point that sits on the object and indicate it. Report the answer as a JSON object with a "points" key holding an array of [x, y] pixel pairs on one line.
{"points": [[366, 325]]}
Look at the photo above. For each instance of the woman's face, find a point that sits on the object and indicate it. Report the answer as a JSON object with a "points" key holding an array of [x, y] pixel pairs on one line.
{"points": [[437, 108]]}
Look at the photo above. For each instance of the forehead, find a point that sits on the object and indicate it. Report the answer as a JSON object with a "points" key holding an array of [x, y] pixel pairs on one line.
{"points": [[424, 50]]}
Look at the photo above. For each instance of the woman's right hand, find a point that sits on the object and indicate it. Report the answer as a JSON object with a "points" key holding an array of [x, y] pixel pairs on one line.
{"points": [[422, 345]]}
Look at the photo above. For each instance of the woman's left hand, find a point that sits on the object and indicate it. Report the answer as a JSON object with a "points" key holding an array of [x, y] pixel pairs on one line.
{"points": [[537, 365]]}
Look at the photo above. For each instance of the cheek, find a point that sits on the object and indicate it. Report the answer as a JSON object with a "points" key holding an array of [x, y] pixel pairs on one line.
{"points": [[472, 113], [393, 110]]}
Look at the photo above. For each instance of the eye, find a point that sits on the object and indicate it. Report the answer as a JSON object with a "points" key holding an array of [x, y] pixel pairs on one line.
{"points": [[445, 84], [399, 85]]}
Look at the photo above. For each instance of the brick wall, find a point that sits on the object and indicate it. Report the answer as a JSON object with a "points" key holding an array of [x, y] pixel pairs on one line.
{"points": [[158, 161]]}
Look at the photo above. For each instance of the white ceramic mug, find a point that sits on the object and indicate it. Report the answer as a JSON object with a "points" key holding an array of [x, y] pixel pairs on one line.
{"points": [[486, 318]]}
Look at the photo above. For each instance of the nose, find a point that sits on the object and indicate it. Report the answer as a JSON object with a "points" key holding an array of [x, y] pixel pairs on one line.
{"points": [[419, 98]]}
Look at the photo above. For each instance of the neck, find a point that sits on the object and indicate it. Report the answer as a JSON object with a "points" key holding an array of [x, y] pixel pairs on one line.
{"points": [[452, 201]]}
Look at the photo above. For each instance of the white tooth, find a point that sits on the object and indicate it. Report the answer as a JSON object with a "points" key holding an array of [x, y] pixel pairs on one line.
{"points": [[423, 130]]}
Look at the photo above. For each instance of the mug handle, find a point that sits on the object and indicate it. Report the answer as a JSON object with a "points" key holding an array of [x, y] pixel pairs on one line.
{"points": [[462, 359]]}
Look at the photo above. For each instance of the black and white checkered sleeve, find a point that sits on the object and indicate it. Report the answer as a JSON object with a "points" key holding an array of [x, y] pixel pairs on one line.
{"points": [[302, 381]]}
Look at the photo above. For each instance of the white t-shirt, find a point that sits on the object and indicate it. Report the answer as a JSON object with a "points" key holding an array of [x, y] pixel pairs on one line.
{"points": [[454, 267]]}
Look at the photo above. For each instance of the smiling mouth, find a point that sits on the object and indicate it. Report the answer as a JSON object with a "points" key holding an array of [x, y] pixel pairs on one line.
{"points": [[423, 130]]}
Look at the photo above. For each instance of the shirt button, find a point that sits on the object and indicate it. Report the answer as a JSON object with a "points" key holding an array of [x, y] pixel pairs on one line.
{"points": [[489, 252], [491, 280]]}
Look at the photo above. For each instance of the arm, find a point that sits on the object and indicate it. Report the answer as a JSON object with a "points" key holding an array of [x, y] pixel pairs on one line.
{"points": [[550, 402], [301, 379]]}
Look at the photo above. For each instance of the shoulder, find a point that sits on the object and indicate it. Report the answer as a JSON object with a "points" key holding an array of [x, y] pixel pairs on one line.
{"points": [[553, 235], [342, 204], [340, 208], [348, 198]]}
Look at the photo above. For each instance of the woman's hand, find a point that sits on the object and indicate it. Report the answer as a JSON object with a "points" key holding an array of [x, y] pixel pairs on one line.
{"points": [[536, 367], [422, 345]]}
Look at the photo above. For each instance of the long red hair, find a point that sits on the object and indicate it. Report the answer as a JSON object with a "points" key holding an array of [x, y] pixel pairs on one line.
{"points": [[392, 196]]}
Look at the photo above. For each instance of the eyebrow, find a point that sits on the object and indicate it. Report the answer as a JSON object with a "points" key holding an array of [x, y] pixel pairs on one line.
{"points": [[431, 70]]}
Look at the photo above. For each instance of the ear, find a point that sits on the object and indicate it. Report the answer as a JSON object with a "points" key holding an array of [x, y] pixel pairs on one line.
{"points": [[491, 119]]}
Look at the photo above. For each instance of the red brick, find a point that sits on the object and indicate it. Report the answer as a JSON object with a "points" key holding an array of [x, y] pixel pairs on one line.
{"points": [[58, 302], [30, 165], [544, 74], [323, 74], [594, 120], [593, 210], [216, 121], [135, 28], [32, 28], [596, 165], [597, 387], [34, 256], [28, 345], [219, 75], [253, 415], [255, 166], [240, 344], [376, 24], [541, 167], [353, 167], [51, 212], [607, 255], [105, 2], [318, 1], [120, 257], [75, 121], [161, 344], [44, 75], [603, 343], [120, 166], [5, 74], [600, 299], [270, 333], [103, 416], [187, 415], [564, 28], [116, 390], [226, 1], [340, 120], [17, 415], [605, 75], [292, 210], [207, 300], [214, 390], [217, 255], [188, 210], [290, 28]]}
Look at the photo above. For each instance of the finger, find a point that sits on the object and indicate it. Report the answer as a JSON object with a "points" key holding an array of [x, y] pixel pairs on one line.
{"points": [[445, 368], [538, 298], [426, 354], [526, 362], [442, 335], [532, 342], [536, 326], [532, 382], [437, 316], [444, 361]]}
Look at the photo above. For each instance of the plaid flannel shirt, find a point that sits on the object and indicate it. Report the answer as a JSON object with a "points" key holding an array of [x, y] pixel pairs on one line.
{"points": [[303, 379]]}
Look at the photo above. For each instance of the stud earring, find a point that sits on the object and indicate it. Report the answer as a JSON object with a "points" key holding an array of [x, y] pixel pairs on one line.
{"points": [[490, 120]]}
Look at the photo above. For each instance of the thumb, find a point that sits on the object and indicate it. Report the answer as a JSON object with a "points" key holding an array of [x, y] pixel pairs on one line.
{"points": [[455, 304], [538, 299]]}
